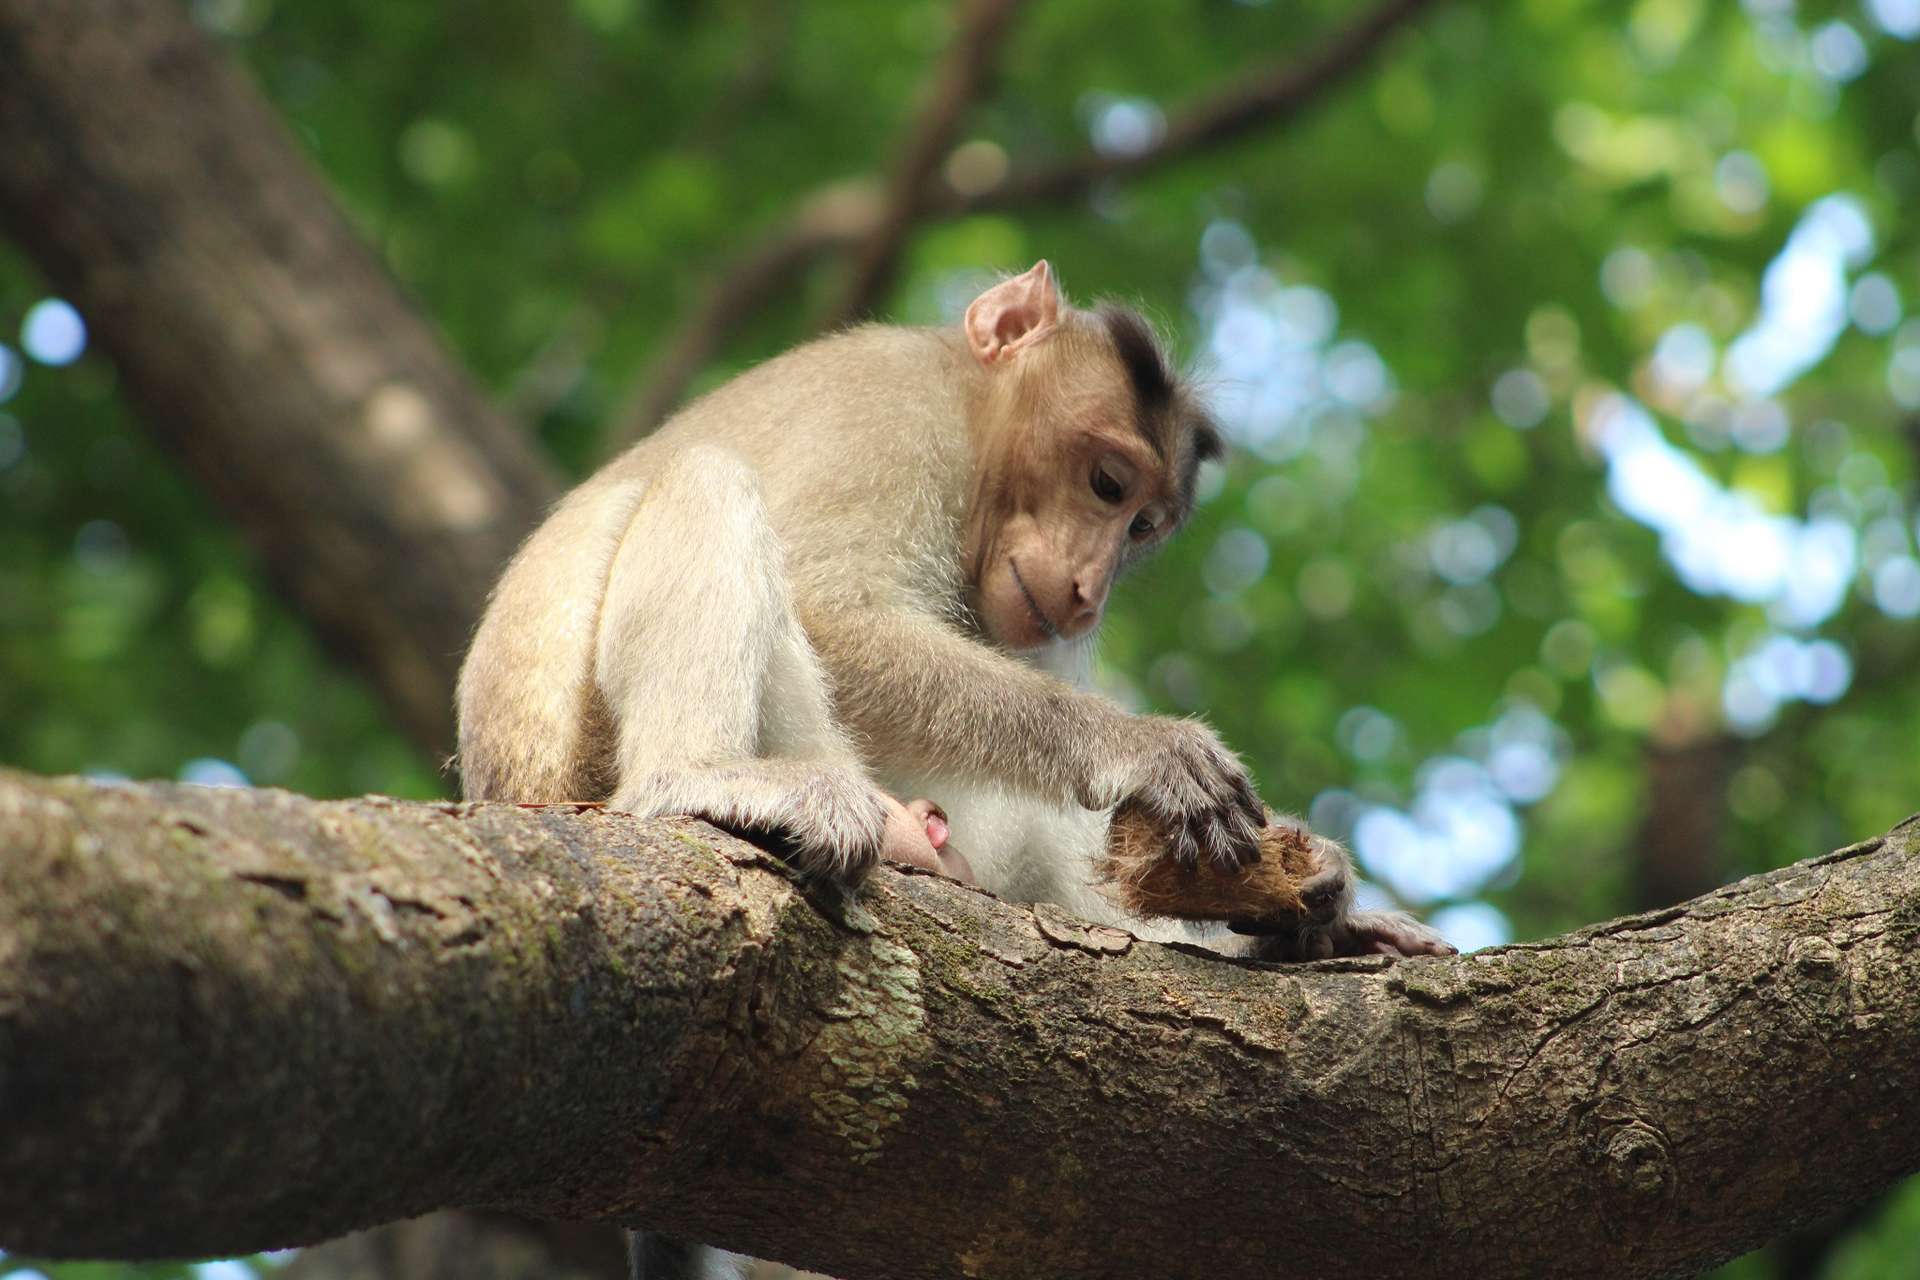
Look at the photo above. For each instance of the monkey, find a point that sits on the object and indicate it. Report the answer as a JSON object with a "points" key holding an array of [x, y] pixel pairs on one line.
{"points": [[860, 561], [873, 567]]}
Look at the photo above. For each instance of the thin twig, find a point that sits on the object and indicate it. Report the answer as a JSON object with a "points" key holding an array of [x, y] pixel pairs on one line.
{"points": [[960, 80], [1266, 97]]}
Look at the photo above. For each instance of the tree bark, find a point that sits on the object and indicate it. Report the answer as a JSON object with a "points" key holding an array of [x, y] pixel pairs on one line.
{"points": [[262, 343], [233, 1020]]}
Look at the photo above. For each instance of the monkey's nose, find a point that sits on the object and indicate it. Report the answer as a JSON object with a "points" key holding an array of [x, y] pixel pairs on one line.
{"points": [[1089, 593]]}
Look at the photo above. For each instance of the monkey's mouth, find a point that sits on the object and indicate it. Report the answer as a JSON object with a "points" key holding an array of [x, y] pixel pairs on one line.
{"points": [[1033, 606]]}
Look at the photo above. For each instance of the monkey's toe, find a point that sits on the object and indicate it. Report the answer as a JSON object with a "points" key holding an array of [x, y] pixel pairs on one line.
{"points": [[1324, 895], [1396, 933]]}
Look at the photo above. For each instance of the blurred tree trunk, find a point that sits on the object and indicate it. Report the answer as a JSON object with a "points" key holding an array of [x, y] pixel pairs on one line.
{"points": [[263, 344], [273, 356], [1678, 852], [238, 1020]]}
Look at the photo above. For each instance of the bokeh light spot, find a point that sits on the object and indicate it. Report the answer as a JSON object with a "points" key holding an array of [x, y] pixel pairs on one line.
{"points": [[1874, 303], [1122, 126], [53, 332], [209, 772], [1896, 586], [1472, 926], [1520, 398], [1837, 50], [1896, 17]]}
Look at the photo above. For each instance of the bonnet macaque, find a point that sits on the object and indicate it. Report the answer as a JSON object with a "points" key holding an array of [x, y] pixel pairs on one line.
{"points": [[869, 569]]}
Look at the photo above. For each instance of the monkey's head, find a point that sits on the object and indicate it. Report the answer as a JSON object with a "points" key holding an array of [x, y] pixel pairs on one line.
{"points": [[1087, 444]]}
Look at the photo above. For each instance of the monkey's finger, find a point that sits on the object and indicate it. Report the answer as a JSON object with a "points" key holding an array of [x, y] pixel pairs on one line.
{"points": [[1222, 847], [1232, 803], [1239, 797], [1250, 801], [1228, 849], [1241, 832], [1220, 791], [1248, 831], [1407, 936], [1186, 851], [1185, 798], [1194, 765], [933, 818]]}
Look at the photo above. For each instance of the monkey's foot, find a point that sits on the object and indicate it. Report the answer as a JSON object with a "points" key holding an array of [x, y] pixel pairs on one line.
{"points": [[826, 819], [1387, 933], [917, 836]]}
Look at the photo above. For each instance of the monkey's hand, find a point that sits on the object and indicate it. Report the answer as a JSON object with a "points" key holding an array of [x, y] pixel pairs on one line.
{"points": [[917, 836], [1181, 775]]}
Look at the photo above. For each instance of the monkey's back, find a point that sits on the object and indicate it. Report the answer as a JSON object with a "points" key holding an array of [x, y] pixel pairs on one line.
{"points": [[860, 443], [856, 441]]}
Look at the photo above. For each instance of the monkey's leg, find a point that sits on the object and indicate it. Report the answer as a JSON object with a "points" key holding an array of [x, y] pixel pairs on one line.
{"points": [[721, 706]]}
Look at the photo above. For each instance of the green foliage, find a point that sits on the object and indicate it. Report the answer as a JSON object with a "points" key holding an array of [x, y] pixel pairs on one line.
{"points": [[1885, 1250], [1509, 214], [135, 636], [14, 1268]]}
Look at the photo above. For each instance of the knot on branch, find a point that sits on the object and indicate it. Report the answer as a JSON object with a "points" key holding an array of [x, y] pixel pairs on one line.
{"points": [[1814, 958], [1818, 982], [1639, 1165]]}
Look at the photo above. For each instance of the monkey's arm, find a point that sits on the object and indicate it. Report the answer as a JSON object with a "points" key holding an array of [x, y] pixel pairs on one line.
{"points": [[923, 697]]}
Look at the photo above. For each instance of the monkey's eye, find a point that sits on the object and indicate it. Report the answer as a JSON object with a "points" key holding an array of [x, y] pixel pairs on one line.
{"points": [[1106, 487], [1141, 528]]}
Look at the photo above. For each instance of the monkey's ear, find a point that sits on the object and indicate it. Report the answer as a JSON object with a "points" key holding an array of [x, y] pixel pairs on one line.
{"points": [[1013, 315]]}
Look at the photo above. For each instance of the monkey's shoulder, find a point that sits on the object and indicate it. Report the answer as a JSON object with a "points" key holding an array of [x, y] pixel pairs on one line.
{"points": [[858, 379]]}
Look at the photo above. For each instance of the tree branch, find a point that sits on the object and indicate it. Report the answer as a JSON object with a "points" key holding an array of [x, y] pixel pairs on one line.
{"points": [[263, 344], [1268, 96], [960, 79], [232, 1020]]}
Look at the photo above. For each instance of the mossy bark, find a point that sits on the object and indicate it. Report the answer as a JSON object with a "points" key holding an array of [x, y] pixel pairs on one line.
{"points": [[233, 1020]]}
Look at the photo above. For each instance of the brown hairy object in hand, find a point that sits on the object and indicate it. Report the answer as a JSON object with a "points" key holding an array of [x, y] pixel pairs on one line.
{"points": [[1148, 882]]}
